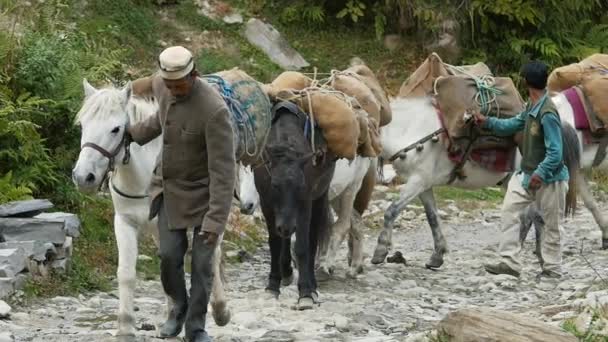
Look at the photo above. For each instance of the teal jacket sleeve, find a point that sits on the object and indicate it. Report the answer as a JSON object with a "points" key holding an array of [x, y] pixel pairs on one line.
{"points": [[553, 146], [506, 127]]}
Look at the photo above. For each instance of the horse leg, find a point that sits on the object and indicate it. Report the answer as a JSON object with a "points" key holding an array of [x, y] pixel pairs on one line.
{"points": [[343, 205], [274, 278], [286, 268], [440, 245], [409, 191], [355, 243], [591, 204], [126, 240], [221, 313]]}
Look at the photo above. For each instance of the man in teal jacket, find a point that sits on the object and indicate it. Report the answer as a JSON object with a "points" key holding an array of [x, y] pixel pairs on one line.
{"points": [[543, 177]]}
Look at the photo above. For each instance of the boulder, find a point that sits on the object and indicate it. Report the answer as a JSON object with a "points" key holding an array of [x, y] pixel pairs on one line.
{"points": [[12, 261], [71, 221], [28, 208], [28, 229], [481, 324], [36, 250], [6, 286], [269, 40]]}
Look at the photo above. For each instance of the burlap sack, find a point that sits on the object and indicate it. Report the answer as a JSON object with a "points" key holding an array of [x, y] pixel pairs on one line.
{"points": [[285, 81], [369, 137], [571, 75], [255, 110], [351, 85], [596, 90], [142, 87], [335, 117], [421, 82], [457, 94], [366, 75]]}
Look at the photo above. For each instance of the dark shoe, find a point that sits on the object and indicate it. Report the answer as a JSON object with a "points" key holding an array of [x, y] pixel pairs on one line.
{"points": [[173, 325], [501, 268], [200, 336]]}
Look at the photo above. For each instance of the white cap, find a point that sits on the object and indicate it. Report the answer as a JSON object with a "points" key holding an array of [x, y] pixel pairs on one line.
{"points": [[175, 62]]}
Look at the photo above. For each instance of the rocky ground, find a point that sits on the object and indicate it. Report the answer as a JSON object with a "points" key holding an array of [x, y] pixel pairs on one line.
{"points": [[390, 302]]}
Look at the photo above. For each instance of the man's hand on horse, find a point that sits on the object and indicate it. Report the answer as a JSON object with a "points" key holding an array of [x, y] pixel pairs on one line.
{"points": [[209, 238], [480, 119], [535, 182]]}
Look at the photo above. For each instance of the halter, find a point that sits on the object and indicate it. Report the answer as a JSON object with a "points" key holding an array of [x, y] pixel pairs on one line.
{"points": [[112, 163]]}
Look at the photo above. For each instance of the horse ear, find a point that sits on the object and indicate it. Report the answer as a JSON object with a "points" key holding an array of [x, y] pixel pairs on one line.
{"points": [[126, 91], [88, 88]]}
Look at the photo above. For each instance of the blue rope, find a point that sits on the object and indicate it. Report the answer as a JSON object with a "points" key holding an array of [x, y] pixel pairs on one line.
{"points": [[238, 110]]}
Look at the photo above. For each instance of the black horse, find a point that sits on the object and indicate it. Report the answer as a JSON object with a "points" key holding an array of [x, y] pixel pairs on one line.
{"points": [[293, 185]]}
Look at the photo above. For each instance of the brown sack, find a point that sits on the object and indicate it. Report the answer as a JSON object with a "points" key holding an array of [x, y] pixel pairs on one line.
{"points": [[142, 87], [596, 90], [369, 138], [351, 85], [573, 74], [336, 119], [233, 75], [456, 95], [421, 82], [288, 80], [366, 75]]}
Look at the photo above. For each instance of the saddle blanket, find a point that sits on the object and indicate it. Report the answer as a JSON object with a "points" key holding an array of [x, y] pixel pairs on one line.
{"points": [[499, 160]]}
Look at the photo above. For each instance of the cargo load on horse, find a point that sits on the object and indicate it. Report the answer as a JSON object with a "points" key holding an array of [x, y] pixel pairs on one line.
{"points": [[347, 124], [585, 85], [248, 103]]}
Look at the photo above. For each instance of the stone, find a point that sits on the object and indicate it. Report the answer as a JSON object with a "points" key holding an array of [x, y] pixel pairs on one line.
{"points": [[233, 18], [65, 251], [6, 336], [143, 257], [277, 336], [393, 42], [14, 259], [71, 221], [269, 40], [61, 266], [6, 286], [24, 208], [5, 310], [481, 324], [36, 250], [28, 229]]}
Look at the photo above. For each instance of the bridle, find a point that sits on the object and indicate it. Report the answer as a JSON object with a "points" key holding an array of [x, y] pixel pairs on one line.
{"points": [[111, 156]]}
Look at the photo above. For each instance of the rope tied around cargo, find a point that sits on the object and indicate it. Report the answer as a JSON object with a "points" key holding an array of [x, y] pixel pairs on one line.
{"points": [[239, 111], [486, 90]]}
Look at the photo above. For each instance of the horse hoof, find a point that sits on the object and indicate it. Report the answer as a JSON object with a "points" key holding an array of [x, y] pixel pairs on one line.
{"points": [[604, 244], [221, 315], [305, 303], [379, 255], [323, 274], [434, 262], [287, 280]]}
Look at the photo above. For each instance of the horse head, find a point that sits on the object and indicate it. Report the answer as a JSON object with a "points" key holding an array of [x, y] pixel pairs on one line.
{"points": [[248, 194], [103, 119]]}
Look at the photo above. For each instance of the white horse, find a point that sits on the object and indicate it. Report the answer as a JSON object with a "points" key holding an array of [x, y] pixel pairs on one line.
{"points": [[103, 118], [428, 166], [345, 184]]}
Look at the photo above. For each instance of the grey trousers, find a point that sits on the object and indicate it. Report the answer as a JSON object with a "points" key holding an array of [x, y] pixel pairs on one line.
{"points": [[173, 247]]}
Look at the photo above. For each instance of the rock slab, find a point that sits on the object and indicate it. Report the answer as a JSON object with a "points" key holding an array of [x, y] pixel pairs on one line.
{"points": [[32, 229], [24, 208], [269, 40], [481, 324]]}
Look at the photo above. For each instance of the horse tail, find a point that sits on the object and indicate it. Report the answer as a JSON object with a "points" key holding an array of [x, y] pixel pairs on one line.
{"points": [[364, 195], [572, 159]]}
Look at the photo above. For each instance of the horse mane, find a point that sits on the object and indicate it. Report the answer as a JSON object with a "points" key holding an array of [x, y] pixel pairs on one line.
{"points": [[108, 102]]}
